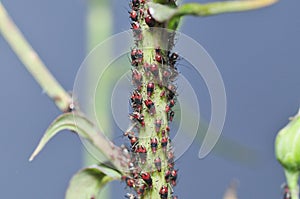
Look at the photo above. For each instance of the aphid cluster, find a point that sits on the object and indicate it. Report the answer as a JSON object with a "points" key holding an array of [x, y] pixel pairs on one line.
{"points": [[150, 156]]}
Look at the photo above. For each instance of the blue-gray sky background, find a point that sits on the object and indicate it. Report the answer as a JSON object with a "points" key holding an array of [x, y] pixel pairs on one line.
{"points": [[256, 52]]}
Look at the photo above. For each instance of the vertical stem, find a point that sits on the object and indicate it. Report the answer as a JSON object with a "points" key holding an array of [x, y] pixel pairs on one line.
{"points": [[292, 180], [99, 27]]}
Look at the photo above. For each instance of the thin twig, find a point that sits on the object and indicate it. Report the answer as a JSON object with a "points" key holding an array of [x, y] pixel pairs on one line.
{"points": [[32, 62]]}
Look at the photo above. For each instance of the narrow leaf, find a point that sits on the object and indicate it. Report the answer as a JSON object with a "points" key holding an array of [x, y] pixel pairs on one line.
{"points": [[84, 128], [87, 183]]}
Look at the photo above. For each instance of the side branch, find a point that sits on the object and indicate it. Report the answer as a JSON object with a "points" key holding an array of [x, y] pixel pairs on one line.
{"points": [[32, 62]]}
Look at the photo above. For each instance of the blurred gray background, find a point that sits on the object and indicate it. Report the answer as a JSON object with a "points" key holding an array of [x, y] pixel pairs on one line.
{"points": [[256, 52]]}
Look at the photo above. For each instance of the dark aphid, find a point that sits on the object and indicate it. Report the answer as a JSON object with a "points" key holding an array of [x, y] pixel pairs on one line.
{"points": [[135, 4], [157, 163], [133, 15], [136, 101], [157, 124], [150, 88], [136, 57], [154, 70], [287, 193], [163, 192], [171, 116], [153, 143], [129, 181], [170, 105], [170, 95], [147, 178], [150, 105], [172, 59], [136, 116], [164, 143], [130, 196]]}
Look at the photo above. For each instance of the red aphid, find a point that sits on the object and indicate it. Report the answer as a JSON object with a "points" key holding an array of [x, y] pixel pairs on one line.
{"points": [[129, 181], [154, 70], [164, 143], [150, 88], [150, 21], [136, 57], [141, 190], [168, 128], [166, 75], [170, 157], [167, 176], [142, 151], [170, 105], [157, 163], [287, 193], [173, 177], [137, 78], [163, 192], [163, 93], [172, 87], [157, 124], [135, 25], [133, 15], [133, 140], [153, 143], [147, 178], [163, 132]]}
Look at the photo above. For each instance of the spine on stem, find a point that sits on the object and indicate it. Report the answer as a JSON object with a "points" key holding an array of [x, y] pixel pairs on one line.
{"points": [[151, 171]]}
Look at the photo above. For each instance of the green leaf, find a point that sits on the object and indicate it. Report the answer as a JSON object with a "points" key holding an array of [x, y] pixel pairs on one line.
{"points": [[84, 128], [87, 183], [164, 13]]}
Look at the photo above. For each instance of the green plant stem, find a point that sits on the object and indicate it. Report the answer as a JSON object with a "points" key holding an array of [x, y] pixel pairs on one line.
{"points": [[99, 28], [32, 62], [292, 180]]}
